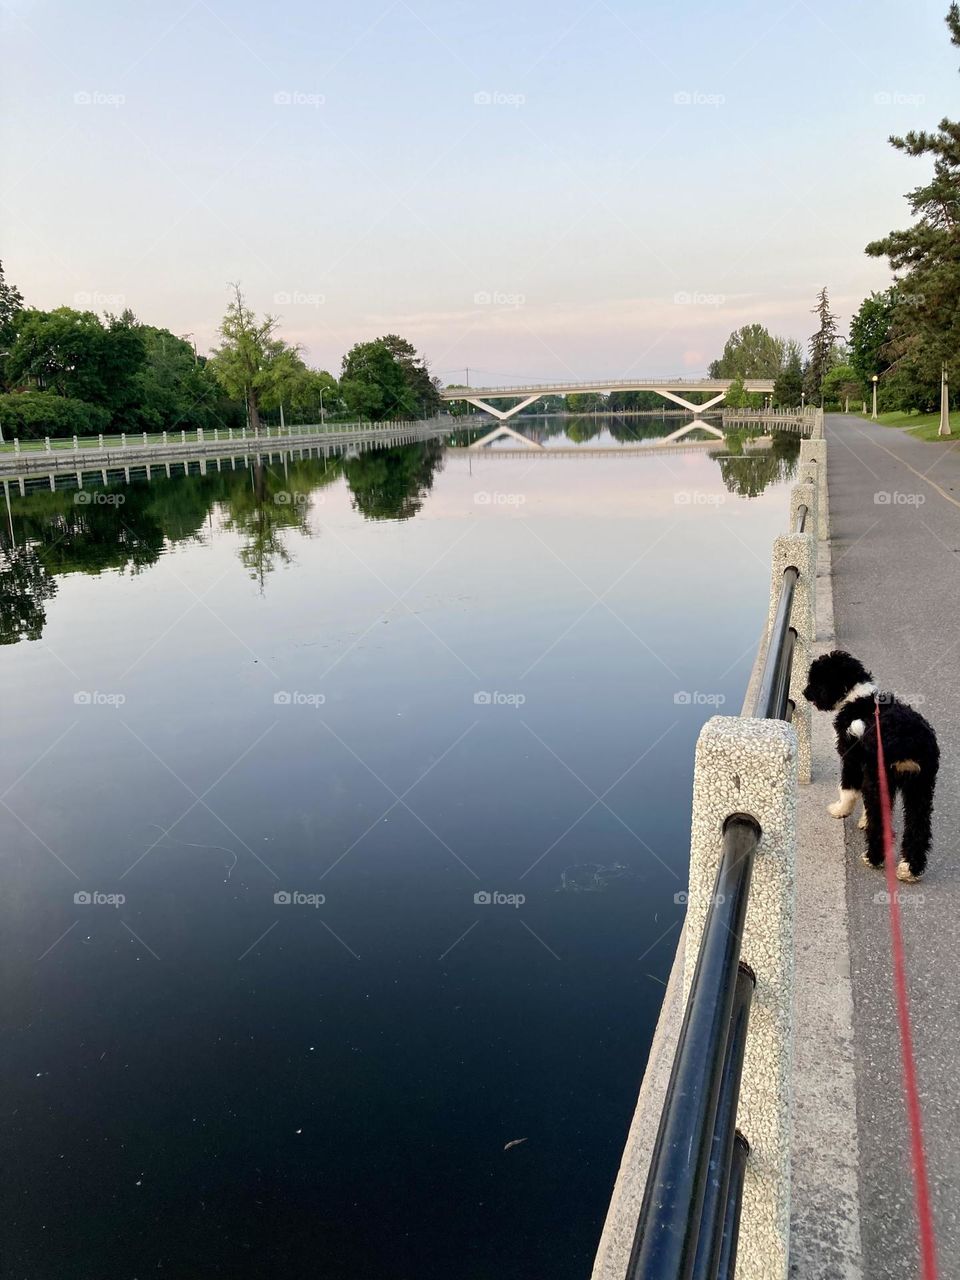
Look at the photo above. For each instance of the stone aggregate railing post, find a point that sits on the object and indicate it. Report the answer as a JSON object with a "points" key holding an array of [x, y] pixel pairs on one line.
{"points": [[815, 450], [749, 766], [799, 551]]}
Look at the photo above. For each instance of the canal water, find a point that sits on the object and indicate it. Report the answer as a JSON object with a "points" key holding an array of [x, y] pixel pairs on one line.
{"points": [[344, 823]]}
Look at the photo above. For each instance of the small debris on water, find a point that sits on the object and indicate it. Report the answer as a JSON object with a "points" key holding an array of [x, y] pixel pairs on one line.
{"points": [[514, 1142]]}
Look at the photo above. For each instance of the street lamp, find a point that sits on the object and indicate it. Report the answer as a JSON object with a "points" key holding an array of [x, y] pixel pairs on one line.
{"points": [[874, 381]]}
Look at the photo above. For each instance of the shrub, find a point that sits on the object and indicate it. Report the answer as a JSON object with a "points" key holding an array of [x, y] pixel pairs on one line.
{"points": [[35, 414]]}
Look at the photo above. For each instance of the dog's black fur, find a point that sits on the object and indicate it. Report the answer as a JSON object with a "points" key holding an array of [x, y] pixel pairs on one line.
{"points": [[910, 750]]}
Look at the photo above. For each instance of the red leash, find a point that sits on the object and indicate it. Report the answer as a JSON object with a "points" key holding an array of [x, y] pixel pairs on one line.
{"points": [[928, 1252]]}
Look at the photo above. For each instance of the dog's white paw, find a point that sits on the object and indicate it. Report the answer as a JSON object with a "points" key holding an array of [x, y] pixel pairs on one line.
{"points": [[872, 865], [843, 807], [905, 874], [862, 824]]}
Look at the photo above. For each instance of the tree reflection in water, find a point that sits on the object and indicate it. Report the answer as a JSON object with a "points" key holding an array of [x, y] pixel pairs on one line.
{"points": [[126, 528]]}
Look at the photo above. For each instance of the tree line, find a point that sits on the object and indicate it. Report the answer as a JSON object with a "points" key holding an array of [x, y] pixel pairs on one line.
{"points": [[70, 372], [905, 339]]}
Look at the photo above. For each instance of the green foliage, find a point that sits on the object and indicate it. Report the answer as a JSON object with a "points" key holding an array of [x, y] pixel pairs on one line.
{"points": [[177, 388], [871, 334], [386, 378], [788, 387], [73, 354], [750, 352], [823, 349], [251, 363], [925, 258], [841, 384], [11, 305], [584, 402], [32, 415]]}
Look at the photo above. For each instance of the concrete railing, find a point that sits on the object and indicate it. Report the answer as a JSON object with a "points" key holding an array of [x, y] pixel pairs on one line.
{"points": [[131, 448], [806, 421], [751, 766]]}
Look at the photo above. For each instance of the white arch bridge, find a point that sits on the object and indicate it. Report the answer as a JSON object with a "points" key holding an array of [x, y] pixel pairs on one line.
{"points": [[673, 389]]}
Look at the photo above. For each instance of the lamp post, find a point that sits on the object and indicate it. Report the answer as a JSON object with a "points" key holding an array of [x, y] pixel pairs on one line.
{"points": [[874, 381], [944, 428]]}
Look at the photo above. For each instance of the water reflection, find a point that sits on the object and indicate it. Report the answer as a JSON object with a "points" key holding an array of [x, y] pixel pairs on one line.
{"points": [[391, 484], [126, 528]]}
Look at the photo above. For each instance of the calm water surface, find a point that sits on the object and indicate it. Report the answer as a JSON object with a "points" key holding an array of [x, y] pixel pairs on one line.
{"points": [[308, 719]]}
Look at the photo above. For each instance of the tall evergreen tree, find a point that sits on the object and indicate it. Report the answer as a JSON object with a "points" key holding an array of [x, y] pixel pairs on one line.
{"points": [[925, 258], [823, 349]]}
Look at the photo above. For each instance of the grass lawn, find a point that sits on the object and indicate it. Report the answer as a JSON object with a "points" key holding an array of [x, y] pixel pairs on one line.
{"points": [[922, 425]]}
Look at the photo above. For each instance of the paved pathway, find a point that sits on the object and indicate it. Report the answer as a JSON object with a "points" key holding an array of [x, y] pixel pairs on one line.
{"points": [[895, 533]]}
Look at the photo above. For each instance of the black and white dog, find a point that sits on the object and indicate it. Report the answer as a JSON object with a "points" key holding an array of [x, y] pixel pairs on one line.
{"points": [[840, 683]]}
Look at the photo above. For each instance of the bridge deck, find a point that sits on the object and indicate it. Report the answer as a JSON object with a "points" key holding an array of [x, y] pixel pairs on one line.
{"points": [[678, 385]]}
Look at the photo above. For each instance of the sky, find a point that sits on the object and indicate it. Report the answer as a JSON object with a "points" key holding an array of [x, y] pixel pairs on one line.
{"points": [[578, 189]]}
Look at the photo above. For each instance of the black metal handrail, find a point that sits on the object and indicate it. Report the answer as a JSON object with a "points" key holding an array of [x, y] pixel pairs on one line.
{"points": [[774, 688], [715, 1203], [689, 1220], [707, 1064]]}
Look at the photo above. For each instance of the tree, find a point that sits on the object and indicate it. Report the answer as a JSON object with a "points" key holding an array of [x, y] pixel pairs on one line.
{"points": [[585, 402], [871, 336], [925, 258], [750, 352], [736, 397], [424, 389], [71, 353], [376, 383], [842, 384], [177, 387], [788, 387], [11, 305], [823, 349], [245, 363]]}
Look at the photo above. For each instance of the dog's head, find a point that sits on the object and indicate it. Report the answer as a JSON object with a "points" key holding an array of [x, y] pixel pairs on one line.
{"points": [[832, 676]]}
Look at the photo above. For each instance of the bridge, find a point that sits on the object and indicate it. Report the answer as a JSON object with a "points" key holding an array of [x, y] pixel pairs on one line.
{"points": [[673, 389]]}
